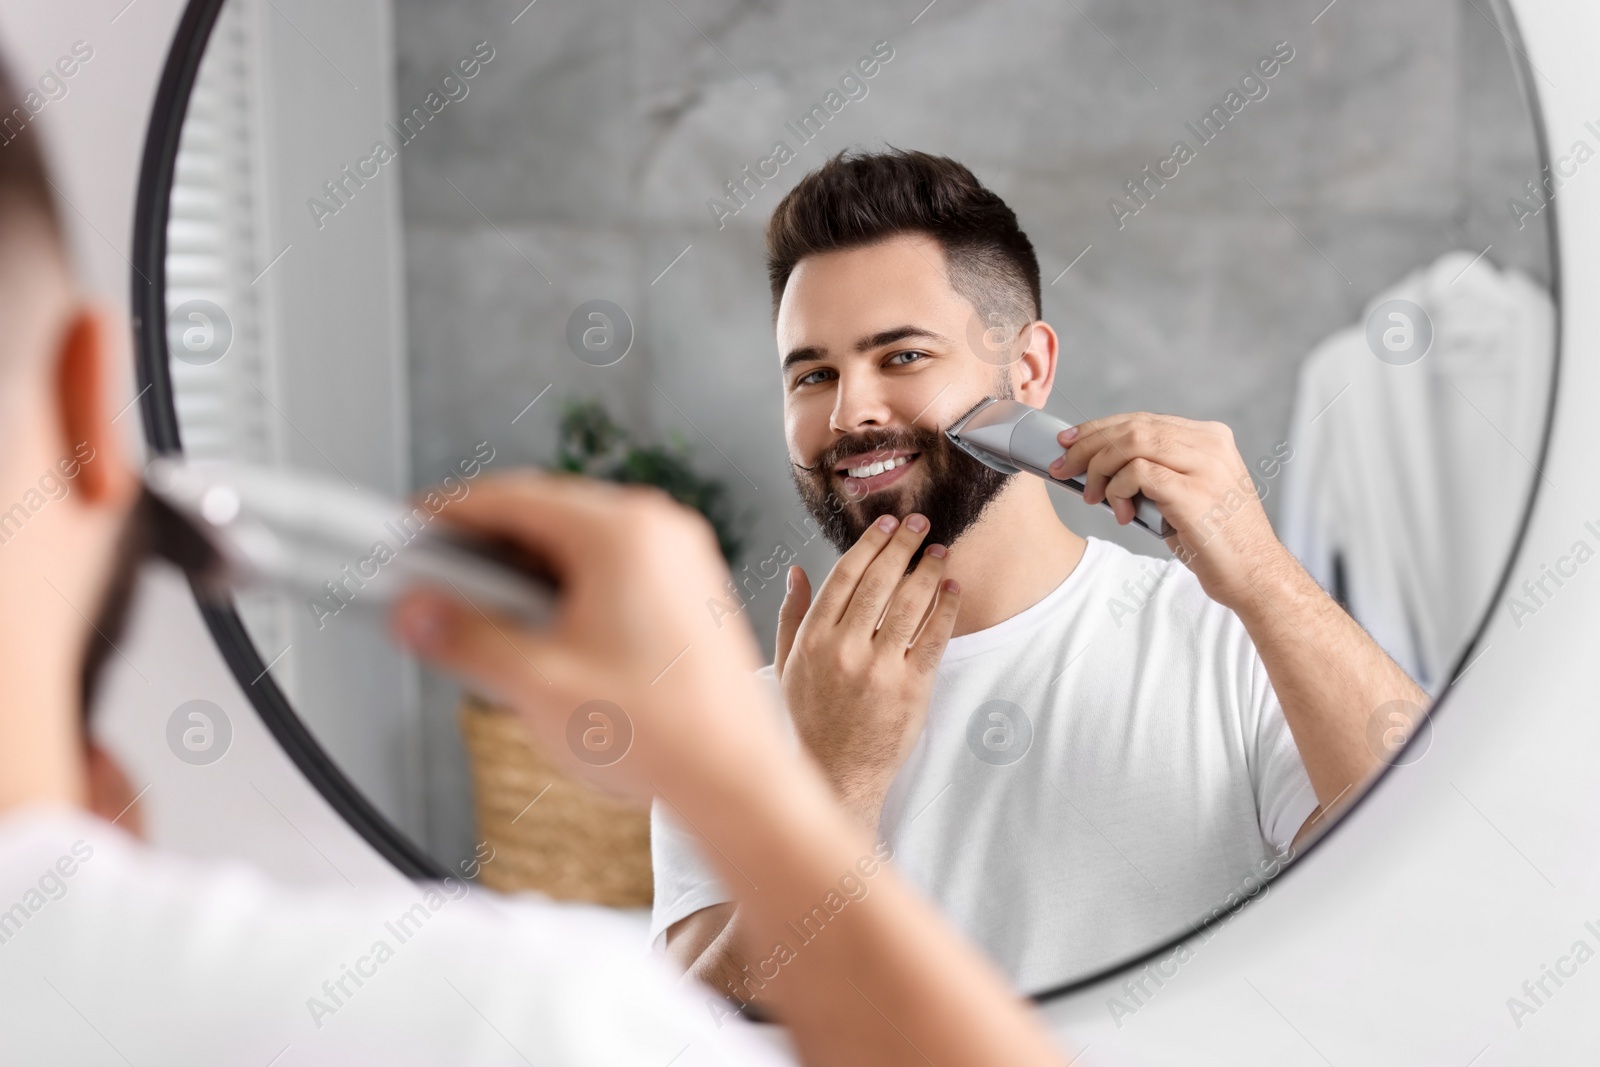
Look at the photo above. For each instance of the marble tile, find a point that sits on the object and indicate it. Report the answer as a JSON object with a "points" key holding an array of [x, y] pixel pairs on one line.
{"points": [[549, 127], [488, 335], [1385, 106]]}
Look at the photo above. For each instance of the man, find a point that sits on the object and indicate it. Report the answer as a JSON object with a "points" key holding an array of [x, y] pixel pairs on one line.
{"points": [[1109, 747], [111, 951]]}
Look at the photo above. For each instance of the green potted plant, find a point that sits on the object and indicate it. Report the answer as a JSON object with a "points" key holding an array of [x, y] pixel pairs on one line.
{"points": [[592, 443]]}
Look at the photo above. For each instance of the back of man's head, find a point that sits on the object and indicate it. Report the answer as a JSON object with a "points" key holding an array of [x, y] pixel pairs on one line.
{"points": [[32, 243], [859, 199], [68, 552], [23, 183]]}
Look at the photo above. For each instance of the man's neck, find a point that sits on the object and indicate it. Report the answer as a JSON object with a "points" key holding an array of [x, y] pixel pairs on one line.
{"points": [[1013, 558], [41, 745]]}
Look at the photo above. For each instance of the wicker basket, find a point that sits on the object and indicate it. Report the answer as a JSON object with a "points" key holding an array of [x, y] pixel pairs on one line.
{"points": [[572, 843]]}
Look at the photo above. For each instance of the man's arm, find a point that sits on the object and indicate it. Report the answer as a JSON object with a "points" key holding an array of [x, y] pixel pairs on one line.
{"points": [[860, 968], [1329, 675], [706, 945]]}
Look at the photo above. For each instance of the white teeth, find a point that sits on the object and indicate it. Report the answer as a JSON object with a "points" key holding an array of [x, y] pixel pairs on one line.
{"points": [[872, 469]]}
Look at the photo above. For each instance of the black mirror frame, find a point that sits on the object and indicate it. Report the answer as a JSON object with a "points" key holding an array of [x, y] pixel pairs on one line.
{"points": [[161, 434], [228, 631]]}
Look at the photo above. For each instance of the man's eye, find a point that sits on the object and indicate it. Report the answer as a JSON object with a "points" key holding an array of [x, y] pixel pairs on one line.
{"points": [[902, 358], [812, 378]]}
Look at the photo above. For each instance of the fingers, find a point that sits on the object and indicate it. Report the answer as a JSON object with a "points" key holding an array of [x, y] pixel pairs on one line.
{"points": [[1085, 443], [560, 518], [1103, 447], [928, 644], [790, 615], [883, 574], [833, 598], [911, 601], [1142, 476], [492, 654]]}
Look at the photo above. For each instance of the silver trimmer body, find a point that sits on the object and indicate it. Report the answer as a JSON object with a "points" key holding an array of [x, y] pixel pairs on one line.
{"points": [[232, 526], [1012, 437]]}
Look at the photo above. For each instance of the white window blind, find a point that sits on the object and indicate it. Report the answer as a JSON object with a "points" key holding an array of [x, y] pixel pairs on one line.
{"points": [[216, 297]]}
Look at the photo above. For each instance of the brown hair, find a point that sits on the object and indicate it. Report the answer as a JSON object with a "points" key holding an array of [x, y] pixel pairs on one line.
{"points": [[859, 199], [24, 184]]}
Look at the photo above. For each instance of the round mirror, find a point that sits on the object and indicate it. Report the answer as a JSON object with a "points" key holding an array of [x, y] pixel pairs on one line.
{"points": [[406, 245]]}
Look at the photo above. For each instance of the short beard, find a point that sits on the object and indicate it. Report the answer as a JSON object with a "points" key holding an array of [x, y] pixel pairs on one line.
{"points": [[955, 493]]}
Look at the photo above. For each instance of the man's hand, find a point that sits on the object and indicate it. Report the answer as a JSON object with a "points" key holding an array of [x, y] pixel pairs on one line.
{"points": [[1193, 472], [634, 571], [856, 665]]}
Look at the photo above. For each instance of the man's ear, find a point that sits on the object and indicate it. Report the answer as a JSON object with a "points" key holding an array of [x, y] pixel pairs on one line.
{"points": [[81, 385], [1033, 375]]}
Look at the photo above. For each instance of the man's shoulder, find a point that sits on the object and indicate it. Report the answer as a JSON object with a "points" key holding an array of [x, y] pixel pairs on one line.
{"points": [[1110, 558], [1114, 567], [57, 838], [1157, 593]]}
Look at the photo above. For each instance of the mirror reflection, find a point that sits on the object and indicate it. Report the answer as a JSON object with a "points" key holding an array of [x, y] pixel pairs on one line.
{"points": [[1280, 281]]}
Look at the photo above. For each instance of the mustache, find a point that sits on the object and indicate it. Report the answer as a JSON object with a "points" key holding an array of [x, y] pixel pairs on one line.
{"points": [[913, 438]]}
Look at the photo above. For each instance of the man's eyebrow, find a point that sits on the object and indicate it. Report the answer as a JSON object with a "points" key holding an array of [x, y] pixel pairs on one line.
{"points": [[812, 353], [809, 354], [898, 333]]}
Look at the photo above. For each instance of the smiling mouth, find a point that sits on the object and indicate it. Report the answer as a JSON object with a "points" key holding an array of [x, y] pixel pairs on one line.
{"points": [[862, 478]]}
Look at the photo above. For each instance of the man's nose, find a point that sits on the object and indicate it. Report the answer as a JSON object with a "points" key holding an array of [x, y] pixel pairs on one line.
{"points": [[859, 403]]}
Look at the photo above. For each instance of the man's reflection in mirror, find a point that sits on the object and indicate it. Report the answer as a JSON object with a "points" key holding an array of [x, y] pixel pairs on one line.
{"points": [[1100, 748]]}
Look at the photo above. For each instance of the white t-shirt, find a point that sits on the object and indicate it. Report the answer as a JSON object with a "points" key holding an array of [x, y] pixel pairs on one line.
{"points": [[110, 952], [1160, 776]]}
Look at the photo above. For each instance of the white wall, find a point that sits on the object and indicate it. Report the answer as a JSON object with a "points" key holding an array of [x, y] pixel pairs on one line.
{"points": [[252, 804]]}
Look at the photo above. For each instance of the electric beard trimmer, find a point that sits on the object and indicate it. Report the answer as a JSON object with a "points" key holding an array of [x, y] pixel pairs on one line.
{"points": [[1012, 438], [231, 526]]}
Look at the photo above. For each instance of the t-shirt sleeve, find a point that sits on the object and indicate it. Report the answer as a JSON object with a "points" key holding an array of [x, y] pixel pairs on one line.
{"points": [[684, 883], [1284, 797]]}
